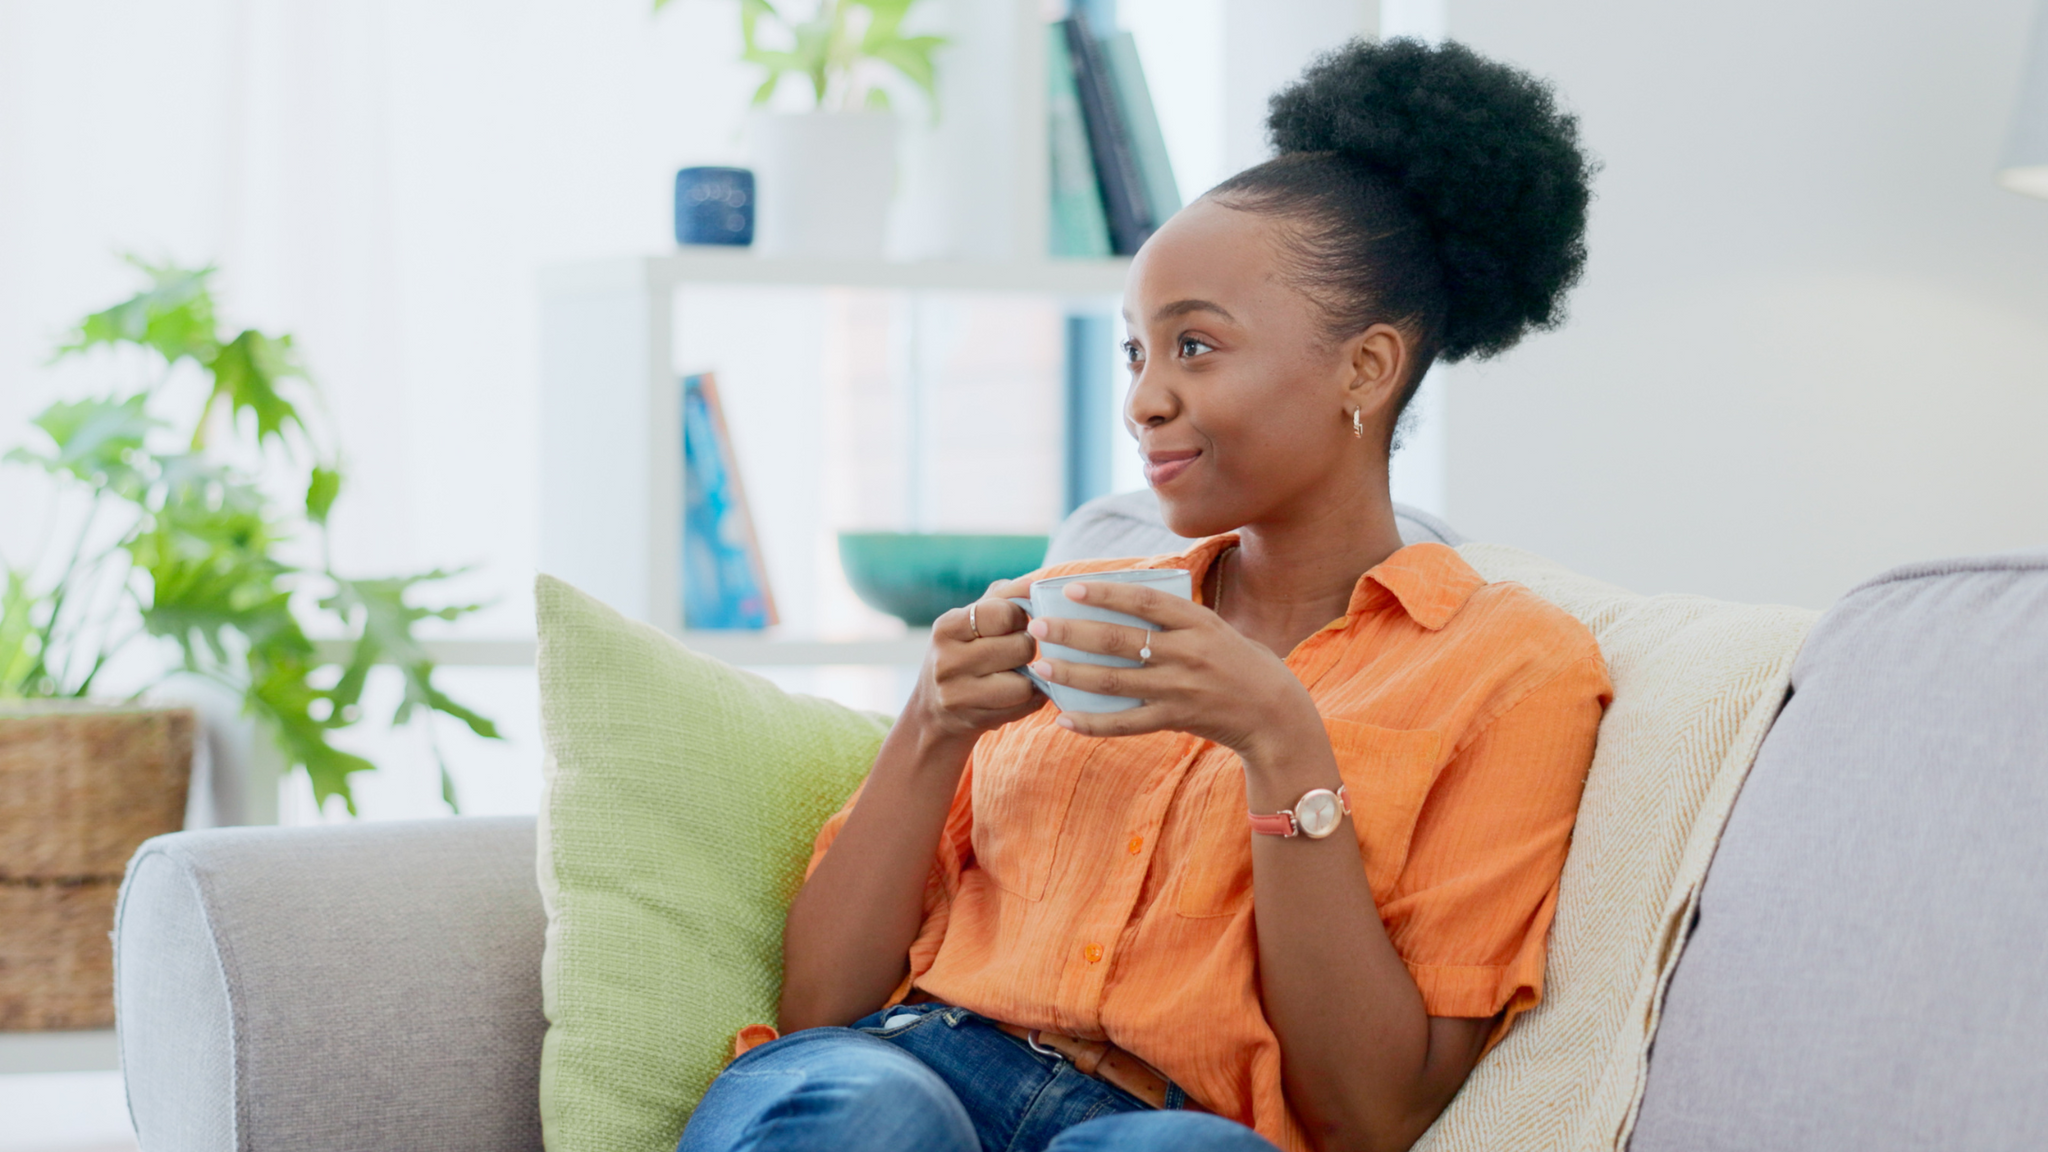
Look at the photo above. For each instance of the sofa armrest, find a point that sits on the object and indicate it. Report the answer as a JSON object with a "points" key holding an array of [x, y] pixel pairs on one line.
{"points": [[352, 988]]}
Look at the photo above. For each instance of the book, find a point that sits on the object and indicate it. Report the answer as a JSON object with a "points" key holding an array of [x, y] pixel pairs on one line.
{"points": [[725, 583], [1116, 166], [1077, 226], [1141, 125]]}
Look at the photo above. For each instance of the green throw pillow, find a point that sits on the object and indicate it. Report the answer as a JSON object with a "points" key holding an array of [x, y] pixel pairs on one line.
{"points": [[682, 798]]}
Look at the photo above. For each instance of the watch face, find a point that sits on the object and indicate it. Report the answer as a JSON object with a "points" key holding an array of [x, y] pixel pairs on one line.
{"points": [[1318, 813]]}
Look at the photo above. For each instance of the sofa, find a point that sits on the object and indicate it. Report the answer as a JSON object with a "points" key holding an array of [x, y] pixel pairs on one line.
{"points": [[1866, 969]]}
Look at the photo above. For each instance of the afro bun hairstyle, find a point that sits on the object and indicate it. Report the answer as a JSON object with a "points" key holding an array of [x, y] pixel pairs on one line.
{"points": [[1433, 188]]}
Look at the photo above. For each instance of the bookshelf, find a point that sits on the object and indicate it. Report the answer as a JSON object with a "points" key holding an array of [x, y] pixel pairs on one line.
{"points": [[611, 459], [611, 445]]}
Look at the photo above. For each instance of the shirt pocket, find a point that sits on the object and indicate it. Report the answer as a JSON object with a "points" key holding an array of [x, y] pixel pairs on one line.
{"points": [[1387, 773], [1024, 779]]}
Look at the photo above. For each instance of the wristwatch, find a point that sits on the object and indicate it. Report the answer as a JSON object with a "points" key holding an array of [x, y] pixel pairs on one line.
{"points": [[1315, 815]]}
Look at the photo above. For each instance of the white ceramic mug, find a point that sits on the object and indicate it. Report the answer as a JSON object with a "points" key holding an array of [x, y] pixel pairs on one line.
{"points": [[1049, 600]]}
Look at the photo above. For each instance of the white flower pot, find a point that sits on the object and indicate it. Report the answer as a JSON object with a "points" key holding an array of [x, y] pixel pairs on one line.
{"points": [[823, 182]]}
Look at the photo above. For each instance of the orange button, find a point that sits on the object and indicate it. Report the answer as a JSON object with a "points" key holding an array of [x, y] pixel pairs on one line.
{"points": [[1137, 843], [1093, 952]]}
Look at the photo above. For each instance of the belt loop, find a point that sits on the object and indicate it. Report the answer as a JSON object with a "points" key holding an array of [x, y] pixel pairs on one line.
{"points": [[1176, 1099]]}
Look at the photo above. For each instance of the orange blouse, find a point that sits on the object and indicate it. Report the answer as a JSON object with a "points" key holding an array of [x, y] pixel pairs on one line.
{"points": [[1103, 888]]}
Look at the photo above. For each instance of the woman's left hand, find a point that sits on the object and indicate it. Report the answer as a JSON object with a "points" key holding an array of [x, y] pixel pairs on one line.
{"points": [[1204, 677]]}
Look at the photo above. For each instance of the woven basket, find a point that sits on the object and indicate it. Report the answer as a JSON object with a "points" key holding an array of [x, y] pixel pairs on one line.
{"points": [[81, 786]]}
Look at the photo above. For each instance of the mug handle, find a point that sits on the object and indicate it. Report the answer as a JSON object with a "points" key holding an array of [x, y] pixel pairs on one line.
{"points": [[1035, 679]]}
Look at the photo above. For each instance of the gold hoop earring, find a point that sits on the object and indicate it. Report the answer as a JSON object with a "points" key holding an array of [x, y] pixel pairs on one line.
{"points": [[1358, 423]]}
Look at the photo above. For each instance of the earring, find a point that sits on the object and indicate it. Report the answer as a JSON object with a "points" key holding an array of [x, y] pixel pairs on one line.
{"points": [[1358, 423]]}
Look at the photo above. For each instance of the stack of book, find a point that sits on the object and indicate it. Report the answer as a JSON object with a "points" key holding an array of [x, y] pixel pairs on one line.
{"points": [[1111, 182]]}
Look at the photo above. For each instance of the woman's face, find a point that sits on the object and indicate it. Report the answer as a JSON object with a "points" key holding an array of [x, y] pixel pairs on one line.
{"points": [[1240, 402]]}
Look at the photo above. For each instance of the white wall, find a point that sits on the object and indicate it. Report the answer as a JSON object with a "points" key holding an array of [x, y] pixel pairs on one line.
{"points": [[1813, 338]]}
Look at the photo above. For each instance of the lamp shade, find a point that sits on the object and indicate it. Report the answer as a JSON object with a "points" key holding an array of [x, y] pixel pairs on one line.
{"points": [[2025, 166]]}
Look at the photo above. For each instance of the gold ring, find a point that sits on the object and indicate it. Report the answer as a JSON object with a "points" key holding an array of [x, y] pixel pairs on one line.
{"points": [[1145, 653], [971, 625]]}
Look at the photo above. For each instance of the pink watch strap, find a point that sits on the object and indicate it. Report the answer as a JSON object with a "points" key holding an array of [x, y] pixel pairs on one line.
{"points": [[1282, 823], [1274, 823]]}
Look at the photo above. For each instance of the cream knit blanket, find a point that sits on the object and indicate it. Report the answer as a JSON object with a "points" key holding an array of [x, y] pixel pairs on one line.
{"points": [[1697, 683]]}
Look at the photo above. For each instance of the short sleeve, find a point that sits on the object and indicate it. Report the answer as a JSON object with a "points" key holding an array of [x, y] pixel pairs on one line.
{"points": [[1471, 912], [956, 845]]}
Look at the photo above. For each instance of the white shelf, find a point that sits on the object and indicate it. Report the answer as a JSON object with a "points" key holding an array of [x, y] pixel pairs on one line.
{"points": [[741, 266], [611, 412], [59, 1052], [745, 649]]}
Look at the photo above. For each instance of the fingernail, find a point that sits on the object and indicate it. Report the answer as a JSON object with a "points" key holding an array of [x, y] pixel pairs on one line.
{"points": [[1065, 722], [1077, 591], [1042, 667], [1037, 628]]}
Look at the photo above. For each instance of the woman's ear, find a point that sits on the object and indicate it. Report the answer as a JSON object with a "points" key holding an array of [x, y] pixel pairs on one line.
{"points": [[1379, 367]]}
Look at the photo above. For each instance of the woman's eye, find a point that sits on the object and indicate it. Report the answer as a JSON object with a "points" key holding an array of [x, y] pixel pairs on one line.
{"points": [[1132, 353], [1191, 347]]}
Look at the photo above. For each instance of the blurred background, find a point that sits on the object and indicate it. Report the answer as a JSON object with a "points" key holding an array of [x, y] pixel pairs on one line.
{"points": [[1812, 340]]}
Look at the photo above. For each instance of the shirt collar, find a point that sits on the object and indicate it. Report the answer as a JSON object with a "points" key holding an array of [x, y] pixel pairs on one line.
{"points": [[1429, 581]]}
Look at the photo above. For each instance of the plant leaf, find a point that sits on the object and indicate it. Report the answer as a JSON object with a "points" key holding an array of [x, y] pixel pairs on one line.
{"points": [[207, 552], [246, 372], [18, 638], [387, 624], [96, 441], [321, 488], [174, 315], [751, 12], [913, 58], [885, 17], [279, 693], [447, 785]]}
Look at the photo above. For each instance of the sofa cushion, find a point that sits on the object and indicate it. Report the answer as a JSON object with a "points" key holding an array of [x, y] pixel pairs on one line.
{"points": [[1868, 968], [1696, 683], [682, 797]]}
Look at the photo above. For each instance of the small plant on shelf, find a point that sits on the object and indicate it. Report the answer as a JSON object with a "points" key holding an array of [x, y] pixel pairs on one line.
{"points": [[841, 49], [178, 540]]}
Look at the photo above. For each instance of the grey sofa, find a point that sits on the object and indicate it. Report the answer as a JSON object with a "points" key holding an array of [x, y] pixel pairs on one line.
{"points": [[1867, 971]]}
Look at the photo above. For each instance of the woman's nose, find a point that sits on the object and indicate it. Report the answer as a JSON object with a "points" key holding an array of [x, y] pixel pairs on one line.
{"points": [[1148, 402]]}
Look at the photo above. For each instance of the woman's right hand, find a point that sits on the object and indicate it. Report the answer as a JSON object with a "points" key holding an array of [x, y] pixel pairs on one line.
{"points": [[847, 940], [970, 683]]}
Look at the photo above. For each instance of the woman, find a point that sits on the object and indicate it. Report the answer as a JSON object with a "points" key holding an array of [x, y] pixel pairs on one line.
{"points": [[1035, 929]]}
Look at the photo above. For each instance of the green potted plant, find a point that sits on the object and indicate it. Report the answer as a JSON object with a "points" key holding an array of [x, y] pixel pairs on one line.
{"points": [[175, 558], [825, 176], [178, 543]]}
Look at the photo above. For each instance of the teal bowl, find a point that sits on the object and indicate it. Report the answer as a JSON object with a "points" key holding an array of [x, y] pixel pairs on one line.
{"points": [[918, 576]]}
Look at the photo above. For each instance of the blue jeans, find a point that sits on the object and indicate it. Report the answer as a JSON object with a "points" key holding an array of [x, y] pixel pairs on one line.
{"points": [[937, 1078]]}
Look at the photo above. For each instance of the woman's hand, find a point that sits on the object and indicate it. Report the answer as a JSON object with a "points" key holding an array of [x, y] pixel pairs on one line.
{"points": [[970, 682], [1204, 677], [846, 942]]}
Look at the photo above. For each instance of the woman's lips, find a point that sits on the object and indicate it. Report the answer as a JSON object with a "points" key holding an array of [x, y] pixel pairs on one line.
{"points": [[1162, 467]]}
